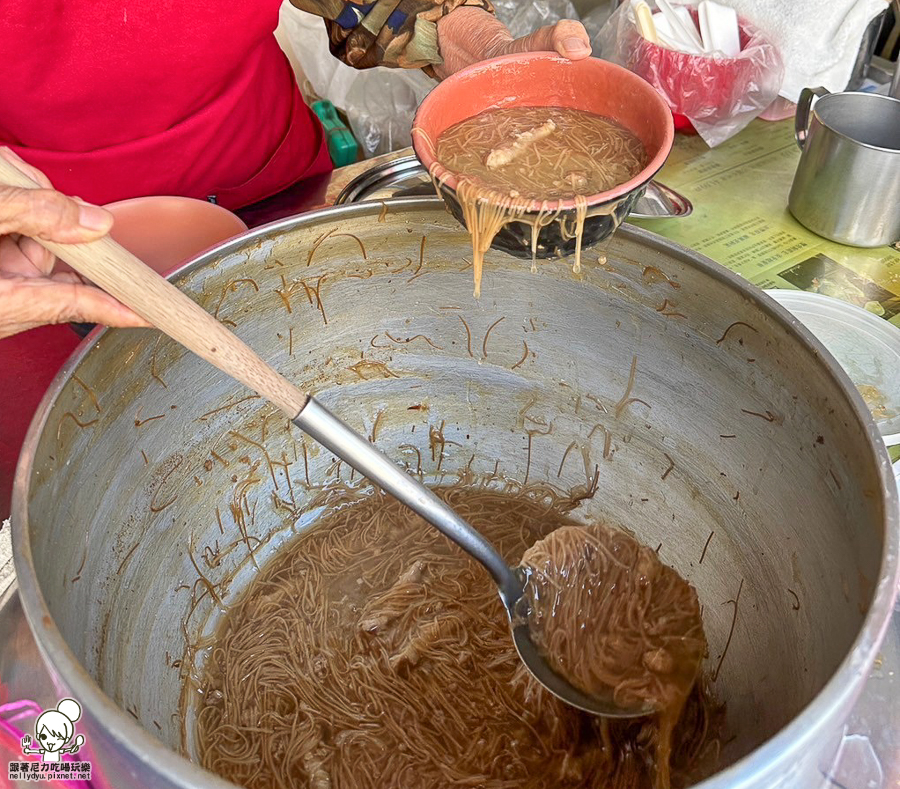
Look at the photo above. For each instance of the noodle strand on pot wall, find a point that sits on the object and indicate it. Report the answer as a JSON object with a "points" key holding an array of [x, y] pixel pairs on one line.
{"points": [[372, 653], [514, 163]]}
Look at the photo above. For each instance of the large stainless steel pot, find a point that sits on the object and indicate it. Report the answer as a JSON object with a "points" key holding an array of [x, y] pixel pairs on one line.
{"points": [[744, 429]]}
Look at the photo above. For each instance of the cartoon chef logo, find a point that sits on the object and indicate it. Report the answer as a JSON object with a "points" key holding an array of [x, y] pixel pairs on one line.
{"points": [[54, 730]]}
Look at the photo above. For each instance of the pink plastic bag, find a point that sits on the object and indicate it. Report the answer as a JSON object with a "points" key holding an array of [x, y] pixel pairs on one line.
{"points": [[716, 96]]}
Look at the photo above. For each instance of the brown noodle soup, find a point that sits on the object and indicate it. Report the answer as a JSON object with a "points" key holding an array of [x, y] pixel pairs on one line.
{"points": [[610, 616], [541, 153], [373, 653], [517, 164]]}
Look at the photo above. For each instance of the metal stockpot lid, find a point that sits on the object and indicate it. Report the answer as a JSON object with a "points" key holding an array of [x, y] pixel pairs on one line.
{"points": [[387, 180], [406, 177], [865, 345]]}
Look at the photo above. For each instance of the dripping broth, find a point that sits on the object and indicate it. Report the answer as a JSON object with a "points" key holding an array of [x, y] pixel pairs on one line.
{"points": [[372, 652], [609, 616]]}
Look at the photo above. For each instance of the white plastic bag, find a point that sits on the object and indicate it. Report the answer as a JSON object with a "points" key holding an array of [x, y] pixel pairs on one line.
{"points": [[594, 20], [381, 105], [380, 102], [523, 18]]}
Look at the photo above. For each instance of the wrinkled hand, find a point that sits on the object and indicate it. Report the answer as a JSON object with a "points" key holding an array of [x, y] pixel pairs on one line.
{"points": [[31, 293], [468, 35]]}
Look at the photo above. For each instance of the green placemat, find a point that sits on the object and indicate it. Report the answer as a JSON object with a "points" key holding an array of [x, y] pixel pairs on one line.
{"points": [[740, 219]]}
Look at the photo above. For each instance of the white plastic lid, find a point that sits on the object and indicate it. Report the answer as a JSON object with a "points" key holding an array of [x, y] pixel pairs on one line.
{"points": [[866, 346]]}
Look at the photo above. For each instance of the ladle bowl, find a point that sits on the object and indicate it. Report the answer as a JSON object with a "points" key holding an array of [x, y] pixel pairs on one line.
{"points": [[540, 79], [319, 423]]}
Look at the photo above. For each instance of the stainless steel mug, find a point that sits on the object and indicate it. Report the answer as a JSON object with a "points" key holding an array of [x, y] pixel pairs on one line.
{"points": [[847, 184]]}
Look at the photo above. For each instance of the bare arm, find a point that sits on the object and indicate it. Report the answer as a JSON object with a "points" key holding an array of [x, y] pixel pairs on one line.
{"points": [[470, 35]]}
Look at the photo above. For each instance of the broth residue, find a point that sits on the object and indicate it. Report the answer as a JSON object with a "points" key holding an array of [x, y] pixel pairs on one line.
{"points": [[372, 652]]}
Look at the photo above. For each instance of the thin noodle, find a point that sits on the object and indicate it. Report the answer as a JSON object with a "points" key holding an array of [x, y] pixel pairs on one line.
{"points": [[610, 616], [374, 654], [506, 160]]}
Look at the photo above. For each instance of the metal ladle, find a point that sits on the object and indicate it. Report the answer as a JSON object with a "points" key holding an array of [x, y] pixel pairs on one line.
{"points": [[118, 272]]}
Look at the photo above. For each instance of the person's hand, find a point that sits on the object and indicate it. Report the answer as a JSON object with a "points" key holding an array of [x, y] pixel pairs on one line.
{"points": [[31, 293], [468, 35]]}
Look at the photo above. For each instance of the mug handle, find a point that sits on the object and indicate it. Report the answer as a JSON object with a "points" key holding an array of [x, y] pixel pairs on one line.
{"points": [[808, 97]]}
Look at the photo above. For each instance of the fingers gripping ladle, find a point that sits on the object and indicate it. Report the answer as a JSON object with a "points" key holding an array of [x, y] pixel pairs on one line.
{"points": [[121, 274]]}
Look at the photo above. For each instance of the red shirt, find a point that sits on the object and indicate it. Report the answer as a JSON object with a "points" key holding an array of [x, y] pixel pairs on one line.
{"points": [[122, 98]]}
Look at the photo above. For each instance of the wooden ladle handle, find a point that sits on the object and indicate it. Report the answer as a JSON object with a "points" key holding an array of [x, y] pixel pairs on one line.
{"points": [[113, 268]]}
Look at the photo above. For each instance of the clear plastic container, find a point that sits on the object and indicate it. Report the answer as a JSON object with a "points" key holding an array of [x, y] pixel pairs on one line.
{"points": [[866, 346], [714, 96]]}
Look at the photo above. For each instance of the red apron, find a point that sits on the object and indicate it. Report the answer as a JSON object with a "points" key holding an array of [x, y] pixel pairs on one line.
{"points": [[121, 98], [115, 99]]}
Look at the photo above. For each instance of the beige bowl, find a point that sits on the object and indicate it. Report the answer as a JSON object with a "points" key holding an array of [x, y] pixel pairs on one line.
{"points": [[165, 231]]}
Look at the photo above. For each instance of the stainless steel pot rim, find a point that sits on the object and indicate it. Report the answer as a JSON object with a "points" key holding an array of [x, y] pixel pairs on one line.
{"points": [[831, 128], [771, 755]]}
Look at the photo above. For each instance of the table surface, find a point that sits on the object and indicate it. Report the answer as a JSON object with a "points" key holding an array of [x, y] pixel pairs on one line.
{"points": [[739, 191]]}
